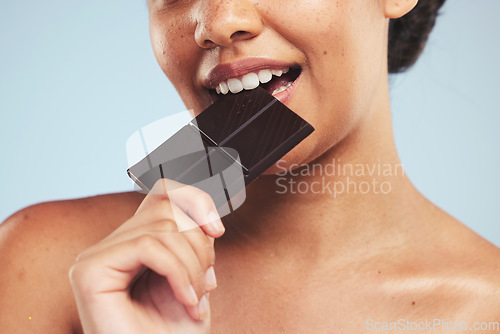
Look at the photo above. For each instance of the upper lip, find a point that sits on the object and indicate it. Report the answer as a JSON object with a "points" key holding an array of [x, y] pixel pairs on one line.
{"points": [[239, 68]]}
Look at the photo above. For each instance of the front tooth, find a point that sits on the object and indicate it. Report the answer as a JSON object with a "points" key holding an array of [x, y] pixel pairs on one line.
{"points": [[235, 85], [265, 76], [250, 81], [217, 89], [223, 87], [277, 73]]}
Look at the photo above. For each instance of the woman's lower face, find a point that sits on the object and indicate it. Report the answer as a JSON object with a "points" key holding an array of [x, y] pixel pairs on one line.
{"points": [[336, 50]]}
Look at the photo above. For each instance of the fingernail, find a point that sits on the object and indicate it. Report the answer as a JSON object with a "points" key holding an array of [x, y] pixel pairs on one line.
{"points": [[210, 279], [193, 296], [203, 308], [215, 222]]}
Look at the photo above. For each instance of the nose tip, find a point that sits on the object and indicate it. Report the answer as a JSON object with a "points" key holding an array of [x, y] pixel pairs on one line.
{"points": [[222, 22]]}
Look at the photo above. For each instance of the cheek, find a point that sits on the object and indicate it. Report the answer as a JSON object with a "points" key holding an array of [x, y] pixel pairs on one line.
{"points": [[343, 42], [336, 38], [175, 50]]}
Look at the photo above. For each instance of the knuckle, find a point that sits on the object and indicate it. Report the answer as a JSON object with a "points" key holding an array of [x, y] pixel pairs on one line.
{"points": [[210, 255], [162, 209], [74, 273], [199, 279], [170, 224], [178, 270], [182, 272], [206, 199], [164, 225], [81, 256], [175, 265], [200, 195], [79, 273], [162, 198], [146, 242], [163, 202], [160, 186], [207, 253]]}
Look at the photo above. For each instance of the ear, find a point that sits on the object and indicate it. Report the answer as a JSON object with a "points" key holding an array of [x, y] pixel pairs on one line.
{"points": [[396, 8]]}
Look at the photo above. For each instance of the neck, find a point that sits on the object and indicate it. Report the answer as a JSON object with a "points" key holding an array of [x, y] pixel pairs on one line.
{"points": [[345, 199]]}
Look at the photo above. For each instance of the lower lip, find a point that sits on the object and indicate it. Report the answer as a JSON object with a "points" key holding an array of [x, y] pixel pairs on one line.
{"points": [[287, 94]]}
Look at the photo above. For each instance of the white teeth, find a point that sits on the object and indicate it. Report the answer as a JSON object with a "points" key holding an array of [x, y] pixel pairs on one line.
{"points": [[277, 73], [278, 90], [282, 88], [265, 76], [224, 87], [250, 81], [235, 85]]}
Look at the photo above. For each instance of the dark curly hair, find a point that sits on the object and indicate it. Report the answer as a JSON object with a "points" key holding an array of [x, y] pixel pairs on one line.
{"points": [[408, 34]]}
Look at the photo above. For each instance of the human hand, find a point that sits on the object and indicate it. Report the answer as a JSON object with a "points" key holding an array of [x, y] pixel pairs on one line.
{"points": [[147, 276]]}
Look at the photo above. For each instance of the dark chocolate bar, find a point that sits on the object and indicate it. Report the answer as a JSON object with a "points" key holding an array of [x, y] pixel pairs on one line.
{"points": [[239, 136]]}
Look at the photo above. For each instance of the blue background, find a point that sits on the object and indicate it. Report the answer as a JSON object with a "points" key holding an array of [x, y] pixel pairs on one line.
{"points": [[77, 78]]}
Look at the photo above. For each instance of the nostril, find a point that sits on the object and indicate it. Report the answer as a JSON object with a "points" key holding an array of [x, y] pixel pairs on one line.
{"points": [[240, 34], [208, 44]]}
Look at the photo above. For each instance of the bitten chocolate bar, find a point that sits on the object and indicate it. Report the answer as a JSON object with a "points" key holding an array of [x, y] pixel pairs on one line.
{"points": [[225, 147]]}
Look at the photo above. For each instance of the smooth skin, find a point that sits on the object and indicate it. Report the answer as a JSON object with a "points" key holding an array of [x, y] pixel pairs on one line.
{"points": [[287, 262]]}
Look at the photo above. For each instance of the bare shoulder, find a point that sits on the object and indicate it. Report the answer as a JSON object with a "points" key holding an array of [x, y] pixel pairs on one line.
{"points": [[467, 269], [481, 274], [474, 282], [445, 273], [38, 245]]}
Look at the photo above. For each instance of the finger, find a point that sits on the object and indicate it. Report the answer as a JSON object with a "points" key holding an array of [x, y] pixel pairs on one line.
{"points": [[125, 261], [134, 228], [187, 252], [153, 222], [202, 310], [193, 248], [203, 246], [162, 299], [158, 210], [200, 206], [195, 202]]}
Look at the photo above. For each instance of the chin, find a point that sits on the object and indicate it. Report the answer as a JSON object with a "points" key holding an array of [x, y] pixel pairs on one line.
{"points": [[311, 150], [297, 157]]}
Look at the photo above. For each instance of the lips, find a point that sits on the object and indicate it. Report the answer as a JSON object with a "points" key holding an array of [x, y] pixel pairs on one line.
{"points": [[231, 78]]}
